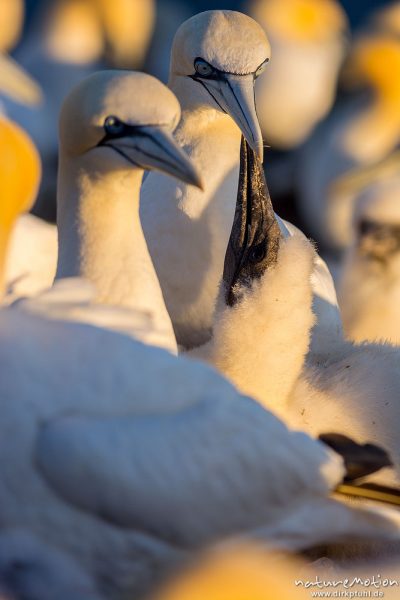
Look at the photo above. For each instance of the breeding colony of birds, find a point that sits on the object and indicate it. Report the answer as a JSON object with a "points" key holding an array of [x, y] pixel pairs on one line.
{"points": [[189, 409]]}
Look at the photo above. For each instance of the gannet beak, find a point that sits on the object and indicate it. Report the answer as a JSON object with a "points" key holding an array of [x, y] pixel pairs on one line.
{"points": [[17, 84], [254, 242], [235, 95], [152, 148]]}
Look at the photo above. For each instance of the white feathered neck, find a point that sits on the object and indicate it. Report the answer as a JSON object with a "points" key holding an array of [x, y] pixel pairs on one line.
{"points": [[101, 239]]}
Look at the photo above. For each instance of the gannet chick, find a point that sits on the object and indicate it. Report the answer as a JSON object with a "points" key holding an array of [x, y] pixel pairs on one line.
{"points": [[265, 292], [370, 283], [106, 142], [14, 80], [308, 40], [342, 387], [20, 171], [30, 569], [215, 59]]}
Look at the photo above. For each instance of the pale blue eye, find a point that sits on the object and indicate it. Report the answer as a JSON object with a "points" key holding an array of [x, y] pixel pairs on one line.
{"points": [[113, 126], [203, 68]]}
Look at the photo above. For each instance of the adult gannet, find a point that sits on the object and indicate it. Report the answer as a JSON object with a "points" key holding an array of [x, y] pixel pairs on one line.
{"points": [[107, 459], [308, 40], [262, 322], [361, 131], [216, 58], [106, 142], [370, 282]]}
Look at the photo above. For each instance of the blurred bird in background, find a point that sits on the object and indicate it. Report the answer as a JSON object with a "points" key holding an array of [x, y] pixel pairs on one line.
{"points": [[362, 130]]}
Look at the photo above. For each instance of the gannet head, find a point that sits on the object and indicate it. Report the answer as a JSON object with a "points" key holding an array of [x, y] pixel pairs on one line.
{"points": [[20, 172], [223, 52], [119, 120], [254, 241]]}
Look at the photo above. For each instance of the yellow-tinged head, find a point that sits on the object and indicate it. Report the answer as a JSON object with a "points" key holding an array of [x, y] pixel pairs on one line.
{"points": [[11, 20], [20, 171], [373, 63], [240, 572], [301, 20]]}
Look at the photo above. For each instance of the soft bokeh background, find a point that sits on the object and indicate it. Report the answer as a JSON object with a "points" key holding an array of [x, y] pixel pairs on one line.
{"points": [[329, 102]]}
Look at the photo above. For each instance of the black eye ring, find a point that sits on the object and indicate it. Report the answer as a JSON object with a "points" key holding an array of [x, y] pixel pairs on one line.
{"points": [[203, 68], [257, 254], [113, 126], [261, 68]]}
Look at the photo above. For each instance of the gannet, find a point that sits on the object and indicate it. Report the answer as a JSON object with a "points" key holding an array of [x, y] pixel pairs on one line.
{"points": [[262, 322], [370, 283], [106, 142], [308, 40], [105, 445], [361, 131], [216, 57]]}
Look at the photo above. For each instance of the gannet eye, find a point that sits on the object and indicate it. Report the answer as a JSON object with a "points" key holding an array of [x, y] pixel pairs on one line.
{"points": [[202, 68], [257, 254], [113, 126], [261, 68]]}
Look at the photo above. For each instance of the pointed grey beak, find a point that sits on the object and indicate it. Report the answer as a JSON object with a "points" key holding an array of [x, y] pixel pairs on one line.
{"points": [[152, 147], [235, 95]]}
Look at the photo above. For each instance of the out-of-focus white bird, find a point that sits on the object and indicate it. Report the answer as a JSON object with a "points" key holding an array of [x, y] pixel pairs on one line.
{"points": [[14, 81], [370, 282], [215, 58], [362, 131], [30, 569], [308, 42], [81, 31]]}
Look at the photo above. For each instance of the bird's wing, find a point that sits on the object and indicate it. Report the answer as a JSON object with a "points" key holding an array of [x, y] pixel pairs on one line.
{"points": [[211, 469], [320, 521]]}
